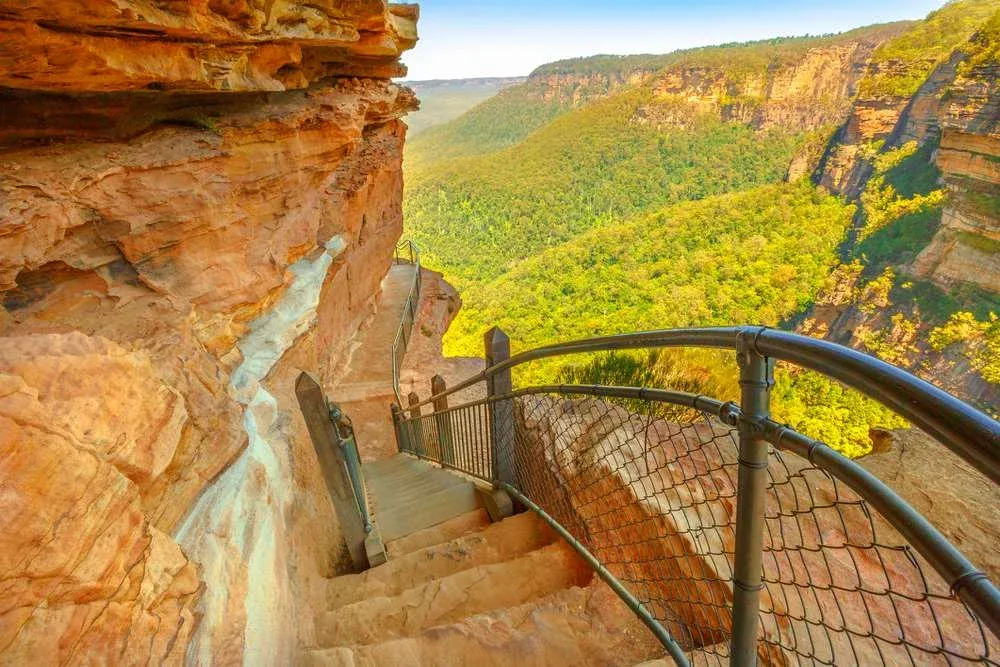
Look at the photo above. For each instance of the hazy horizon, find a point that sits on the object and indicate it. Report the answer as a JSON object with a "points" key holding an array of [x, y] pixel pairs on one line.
{"points": [[459, 40]]}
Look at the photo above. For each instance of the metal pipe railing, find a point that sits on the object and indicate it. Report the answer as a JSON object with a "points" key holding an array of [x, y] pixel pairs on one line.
{"points": [[972, 435], [348, 442], [402, 339], [606, 575]]}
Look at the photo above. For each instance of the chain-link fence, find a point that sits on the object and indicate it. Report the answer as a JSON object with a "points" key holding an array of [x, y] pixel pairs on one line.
{"points": [[654, 495], [655, 501]]}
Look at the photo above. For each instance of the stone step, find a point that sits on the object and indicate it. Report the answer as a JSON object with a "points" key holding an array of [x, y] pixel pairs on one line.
{"points": [[438, 534], [586, 626], [446, 600], [508, 539]]}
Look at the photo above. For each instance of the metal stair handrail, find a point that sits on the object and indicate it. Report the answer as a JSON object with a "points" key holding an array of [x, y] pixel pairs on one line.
{"points": [[488, 441], [406, 252]]}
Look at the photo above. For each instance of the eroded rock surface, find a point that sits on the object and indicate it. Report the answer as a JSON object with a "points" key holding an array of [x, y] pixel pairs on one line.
{"points": [[170, 259], [245, 45], [967, 247]]}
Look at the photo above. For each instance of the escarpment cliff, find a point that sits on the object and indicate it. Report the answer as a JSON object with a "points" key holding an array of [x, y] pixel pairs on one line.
{"points": [[801, 84], [918, 155], [967, 247], [197, 201]]}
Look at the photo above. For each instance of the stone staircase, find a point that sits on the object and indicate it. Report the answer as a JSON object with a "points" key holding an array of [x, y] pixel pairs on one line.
{"points": [[468, 592], [364, 391], [456, 589]]}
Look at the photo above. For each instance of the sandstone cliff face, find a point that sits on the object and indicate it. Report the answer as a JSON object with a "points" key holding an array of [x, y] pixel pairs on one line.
{"points": [[808, 92], [573, 90], [83, 46], [934, 154], [168, 263], [967, 248]]}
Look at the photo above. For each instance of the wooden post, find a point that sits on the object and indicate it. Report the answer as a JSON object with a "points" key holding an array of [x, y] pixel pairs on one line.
{"points": [[416, 434], [445, 437], [402, 443], [316, 413], [501, 412]]}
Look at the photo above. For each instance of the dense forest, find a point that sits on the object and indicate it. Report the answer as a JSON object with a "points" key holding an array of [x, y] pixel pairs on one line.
{"points": [[611, 194]]}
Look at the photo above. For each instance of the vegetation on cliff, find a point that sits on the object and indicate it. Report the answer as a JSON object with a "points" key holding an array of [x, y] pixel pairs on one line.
{"points": [[612, 194], [754, 256], [901, 65], [478, 217]]}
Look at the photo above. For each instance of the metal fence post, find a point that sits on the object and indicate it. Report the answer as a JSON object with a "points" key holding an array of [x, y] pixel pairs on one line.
{"points": [[416, 424], [445, 438], [756, 379], [501, 413]]}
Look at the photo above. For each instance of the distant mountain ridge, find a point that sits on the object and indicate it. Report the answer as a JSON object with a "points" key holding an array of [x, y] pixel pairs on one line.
{"points": [[474, 82], [442, 100], [900, 122]]}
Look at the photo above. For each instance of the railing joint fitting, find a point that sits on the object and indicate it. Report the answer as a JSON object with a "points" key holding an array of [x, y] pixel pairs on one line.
{"points": [[750, 588], [730, 414], [965, 579], [754, 465]]}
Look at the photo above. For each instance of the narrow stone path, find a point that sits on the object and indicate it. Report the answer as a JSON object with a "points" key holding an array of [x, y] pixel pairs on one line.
{"points": [[364, 391]]}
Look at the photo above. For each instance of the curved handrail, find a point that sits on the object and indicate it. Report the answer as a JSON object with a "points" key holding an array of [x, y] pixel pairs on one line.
{"points": [[971, 434], [401, 342], [964, 578]]}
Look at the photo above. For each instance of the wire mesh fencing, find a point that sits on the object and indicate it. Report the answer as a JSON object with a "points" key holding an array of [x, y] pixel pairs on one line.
{"points": [[655, 501], [653, 495]]}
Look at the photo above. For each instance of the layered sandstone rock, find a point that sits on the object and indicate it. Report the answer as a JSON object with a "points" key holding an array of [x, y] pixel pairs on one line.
{"points": [[967, 248], [240, 45], [808, 92], [169, 262], [959, 500]]}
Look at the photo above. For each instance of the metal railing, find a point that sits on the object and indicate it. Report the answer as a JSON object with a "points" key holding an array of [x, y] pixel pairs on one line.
{"points": [[406, 252], [348, 443], [733, 537]]}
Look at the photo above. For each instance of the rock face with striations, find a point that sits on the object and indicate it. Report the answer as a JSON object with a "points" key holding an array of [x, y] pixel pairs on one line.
{"points": [[967, 248], [197, 201]]}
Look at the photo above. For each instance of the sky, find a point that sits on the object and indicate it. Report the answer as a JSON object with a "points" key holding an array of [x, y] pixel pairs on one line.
{"points": [[483, 38]]}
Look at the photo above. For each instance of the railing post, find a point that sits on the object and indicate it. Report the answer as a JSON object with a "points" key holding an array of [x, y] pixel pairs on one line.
{"points": [[334, 466], [399, 428], [756, 379], [501, 413], [445, 439], [417, 430]]}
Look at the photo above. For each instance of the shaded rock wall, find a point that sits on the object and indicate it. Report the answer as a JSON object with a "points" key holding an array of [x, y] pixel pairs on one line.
{"points": [[168, 262]]}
